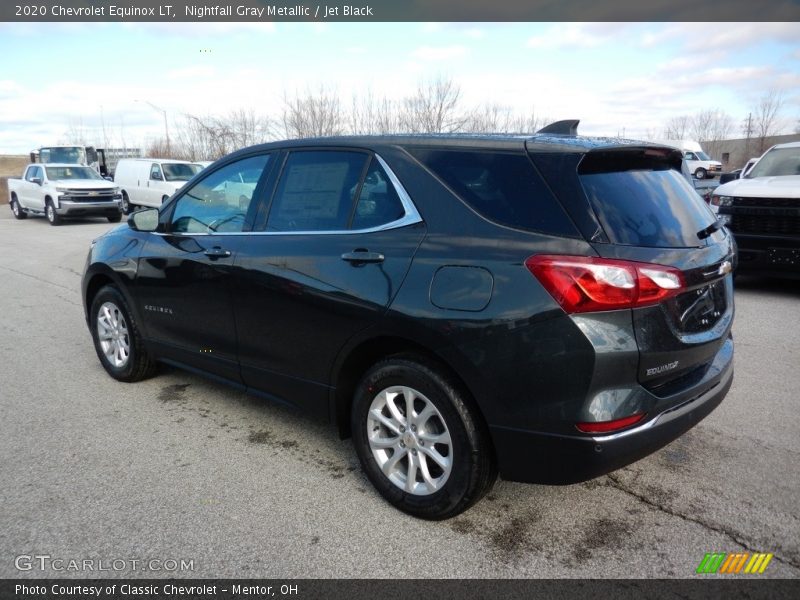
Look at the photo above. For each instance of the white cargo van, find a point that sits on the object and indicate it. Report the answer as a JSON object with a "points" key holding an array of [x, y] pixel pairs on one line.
{"points": [[150, 181], [699, 163]]}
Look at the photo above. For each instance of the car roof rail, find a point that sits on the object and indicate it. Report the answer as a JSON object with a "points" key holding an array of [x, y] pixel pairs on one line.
{"points": [[565, 127]]}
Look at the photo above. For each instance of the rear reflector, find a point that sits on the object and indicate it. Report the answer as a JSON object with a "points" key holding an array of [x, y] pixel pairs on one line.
{"points": [[609, 426], [588, 284]]}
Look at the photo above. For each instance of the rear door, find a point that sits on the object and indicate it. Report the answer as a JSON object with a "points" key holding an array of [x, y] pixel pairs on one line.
{"points": [[646, 211], [331, 253]]}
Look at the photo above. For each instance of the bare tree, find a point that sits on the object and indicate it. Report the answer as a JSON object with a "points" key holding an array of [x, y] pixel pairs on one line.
{"points": [[433, 108], [76, 132], [313, 114], [766, 120], [710, 127], [678, 127]]}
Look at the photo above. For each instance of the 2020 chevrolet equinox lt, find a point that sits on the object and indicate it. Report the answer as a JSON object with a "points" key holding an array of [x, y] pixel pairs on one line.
{"points": [[548, 307]]}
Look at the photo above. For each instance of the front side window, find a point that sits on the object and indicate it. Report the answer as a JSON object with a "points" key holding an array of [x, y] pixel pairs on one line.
{"points": [[180, 171], [220, 201], [33, 173], [155, 173], [316, 191]]}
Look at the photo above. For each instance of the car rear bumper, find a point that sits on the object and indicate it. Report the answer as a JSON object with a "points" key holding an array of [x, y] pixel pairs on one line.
{"points": [[539, 457], [67, 208]]}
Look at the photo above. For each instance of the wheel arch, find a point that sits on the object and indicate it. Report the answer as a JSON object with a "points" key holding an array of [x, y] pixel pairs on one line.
{"points": [[98, 276], [356, 360]]}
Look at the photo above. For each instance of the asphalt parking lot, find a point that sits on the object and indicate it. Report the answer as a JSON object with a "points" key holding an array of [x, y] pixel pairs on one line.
{"points": [[178, 467]]}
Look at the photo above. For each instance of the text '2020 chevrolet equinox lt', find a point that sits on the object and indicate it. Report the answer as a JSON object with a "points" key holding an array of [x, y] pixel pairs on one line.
{"points": [[550, 307]]}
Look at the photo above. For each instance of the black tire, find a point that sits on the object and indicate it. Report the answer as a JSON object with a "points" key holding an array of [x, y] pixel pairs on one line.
{"points": [[700, 173], [50, 211], [115, 218], [473, 469], [16, 209], [127, 207], [139, 364]]}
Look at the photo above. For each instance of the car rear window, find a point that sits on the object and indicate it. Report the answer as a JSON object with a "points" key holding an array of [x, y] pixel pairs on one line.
{"points": [[503, 187], [641, 202]]}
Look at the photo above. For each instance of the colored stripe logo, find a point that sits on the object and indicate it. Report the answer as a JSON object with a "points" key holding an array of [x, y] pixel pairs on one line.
{"points": [[732, 564]]}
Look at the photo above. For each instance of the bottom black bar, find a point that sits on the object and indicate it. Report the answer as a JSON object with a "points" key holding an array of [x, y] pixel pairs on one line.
{"points": [[388, 589]]}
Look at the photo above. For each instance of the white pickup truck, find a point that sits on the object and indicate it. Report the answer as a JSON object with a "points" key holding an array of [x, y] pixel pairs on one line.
{"points": [[58, 190], [762, 209]]}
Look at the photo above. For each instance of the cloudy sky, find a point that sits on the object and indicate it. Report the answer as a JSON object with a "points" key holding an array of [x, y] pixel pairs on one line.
{"points": [[617, 78]]}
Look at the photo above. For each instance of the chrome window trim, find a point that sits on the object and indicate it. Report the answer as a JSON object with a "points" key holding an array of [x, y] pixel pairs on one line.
{"points": [[411, 216]]}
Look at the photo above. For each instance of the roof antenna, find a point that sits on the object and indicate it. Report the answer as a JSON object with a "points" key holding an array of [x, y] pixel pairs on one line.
{"points": [[565, 127]]}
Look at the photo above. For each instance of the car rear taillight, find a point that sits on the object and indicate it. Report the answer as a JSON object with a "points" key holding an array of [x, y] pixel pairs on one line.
{"points": [[609, 426], [588, 284]]}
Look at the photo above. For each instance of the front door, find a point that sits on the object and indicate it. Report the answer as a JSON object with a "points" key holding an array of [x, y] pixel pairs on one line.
{"points": [[184, 275]]}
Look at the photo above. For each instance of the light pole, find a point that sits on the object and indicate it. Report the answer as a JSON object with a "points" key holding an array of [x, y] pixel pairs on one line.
{"points": [[166, 126]]}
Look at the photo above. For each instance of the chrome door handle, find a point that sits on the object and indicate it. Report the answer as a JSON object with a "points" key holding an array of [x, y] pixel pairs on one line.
{"points": [[362, 256]]}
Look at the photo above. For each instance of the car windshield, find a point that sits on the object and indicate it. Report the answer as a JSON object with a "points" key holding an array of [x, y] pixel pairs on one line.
{"points": [[180, 171], [776, 163], [56, 173], [67, 154], [702, 155]]}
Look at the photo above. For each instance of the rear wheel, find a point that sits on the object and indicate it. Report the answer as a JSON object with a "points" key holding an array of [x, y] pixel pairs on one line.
{"points": [[422, 446], [52, 216], [116, 337], [700, 173], [17, 209]]}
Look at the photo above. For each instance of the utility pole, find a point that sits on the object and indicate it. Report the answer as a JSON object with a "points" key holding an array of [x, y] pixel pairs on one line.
{"points": [[166, 126], [748, 132]]}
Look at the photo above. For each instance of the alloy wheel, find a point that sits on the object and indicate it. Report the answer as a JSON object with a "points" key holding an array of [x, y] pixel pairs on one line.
{"points": [[112, 334], [410, 440]]}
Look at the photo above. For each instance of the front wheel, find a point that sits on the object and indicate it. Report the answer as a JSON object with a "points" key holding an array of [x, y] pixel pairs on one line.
{"points": [[127, 207], [116, 337], [52, 216], [17, 209], [700, 173], [115, 218], [421, 445]]}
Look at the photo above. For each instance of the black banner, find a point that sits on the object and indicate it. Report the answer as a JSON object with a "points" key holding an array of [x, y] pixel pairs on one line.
{"points": [[399, 10], [315, 589]]}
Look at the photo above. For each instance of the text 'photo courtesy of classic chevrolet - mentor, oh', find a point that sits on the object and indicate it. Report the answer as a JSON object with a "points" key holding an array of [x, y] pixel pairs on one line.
{"points": [[546, 308]]}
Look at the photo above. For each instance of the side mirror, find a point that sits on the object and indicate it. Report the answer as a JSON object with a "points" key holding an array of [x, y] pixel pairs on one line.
{"points": [[36, 180], [144, 220], [726, 177]]}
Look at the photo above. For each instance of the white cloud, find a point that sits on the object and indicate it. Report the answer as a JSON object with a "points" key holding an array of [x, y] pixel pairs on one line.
{"points": [[577, 35], [439, 53]]}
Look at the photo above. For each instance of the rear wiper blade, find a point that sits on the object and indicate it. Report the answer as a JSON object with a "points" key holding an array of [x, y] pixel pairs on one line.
{"points": [[715, 226]]}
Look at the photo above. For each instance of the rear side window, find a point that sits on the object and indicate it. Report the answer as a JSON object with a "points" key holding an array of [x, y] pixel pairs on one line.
{"points": [[503, 187], [378, 202], [644, 203], [316, 191]]}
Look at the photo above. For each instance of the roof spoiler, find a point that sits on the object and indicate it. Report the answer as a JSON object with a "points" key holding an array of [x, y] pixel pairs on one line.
{"points": [[565, 127]]}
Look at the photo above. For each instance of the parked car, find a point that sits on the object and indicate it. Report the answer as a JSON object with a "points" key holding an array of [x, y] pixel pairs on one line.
{"points": [[57, 191], [151, 181], [549, 307], [762, 209]]}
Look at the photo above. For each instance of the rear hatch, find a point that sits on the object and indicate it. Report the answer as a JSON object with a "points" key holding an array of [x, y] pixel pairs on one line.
{"points": [[633, 204]]}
